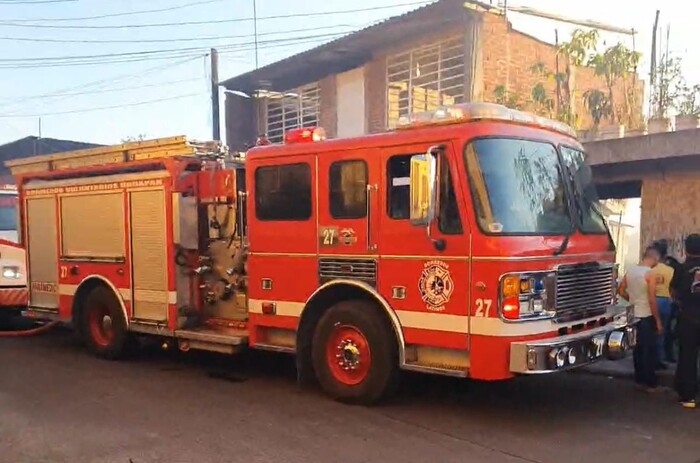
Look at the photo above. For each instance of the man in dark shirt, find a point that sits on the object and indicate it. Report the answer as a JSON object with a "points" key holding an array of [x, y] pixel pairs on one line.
{"points": [[685, 287]]}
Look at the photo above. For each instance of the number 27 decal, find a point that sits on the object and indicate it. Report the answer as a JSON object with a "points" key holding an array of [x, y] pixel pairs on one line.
{"points": [[483, 307]]}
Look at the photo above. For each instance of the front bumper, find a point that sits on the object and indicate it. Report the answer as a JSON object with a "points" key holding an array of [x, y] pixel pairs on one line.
{"points": [[612, 341]]}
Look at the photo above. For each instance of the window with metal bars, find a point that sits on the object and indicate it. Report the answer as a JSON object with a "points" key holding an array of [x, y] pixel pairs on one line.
{"points": [[425, 78], [291, 110]]}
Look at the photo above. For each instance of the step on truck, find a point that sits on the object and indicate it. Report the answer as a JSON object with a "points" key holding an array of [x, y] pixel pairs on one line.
{"points": [[466, 242]]}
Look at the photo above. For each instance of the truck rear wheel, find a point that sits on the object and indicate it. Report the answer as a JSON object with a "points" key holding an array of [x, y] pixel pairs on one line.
{"points": [[354, 353], [103, 324]]}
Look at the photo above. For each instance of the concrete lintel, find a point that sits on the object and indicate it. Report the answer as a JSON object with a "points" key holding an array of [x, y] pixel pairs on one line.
{"points": [[681, 143]]}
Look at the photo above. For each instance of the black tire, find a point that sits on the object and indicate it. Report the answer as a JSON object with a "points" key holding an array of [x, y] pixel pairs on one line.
{"points": [[111, 343], [380, 377]]}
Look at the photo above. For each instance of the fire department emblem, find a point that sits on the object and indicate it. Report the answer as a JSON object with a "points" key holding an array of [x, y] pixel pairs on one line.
{"points": [[435, 285], [348, 236]]}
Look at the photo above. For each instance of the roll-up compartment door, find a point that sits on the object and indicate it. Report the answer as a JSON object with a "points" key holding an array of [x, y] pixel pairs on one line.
{"points": [[42, 246], [149, 255]]}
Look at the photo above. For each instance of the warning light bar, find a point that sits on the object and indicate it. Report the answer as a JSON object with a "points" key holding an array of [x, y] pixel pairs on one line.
{"points": [[466, 112], [305, 135]]}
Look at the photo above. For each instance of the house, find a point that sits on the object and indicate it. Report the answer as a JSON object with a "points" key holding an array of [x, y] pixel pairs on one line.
{"points": [[446, 52], [32, 146]]}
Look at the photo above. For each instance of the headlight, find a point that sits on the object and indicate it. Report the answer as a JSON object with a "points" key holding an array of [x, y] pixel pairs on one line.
{"points": [[527, 295], [11, 273]]}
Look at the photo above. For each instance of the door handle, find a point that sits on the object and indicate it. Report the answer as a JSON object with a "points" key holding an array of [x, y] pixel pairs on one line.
{"points": [[370, 246]]}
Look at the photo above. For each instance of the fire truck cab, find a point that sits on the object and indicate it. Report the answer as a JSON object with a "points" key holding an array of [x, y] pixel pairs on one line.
{"points": [[466, 242]]}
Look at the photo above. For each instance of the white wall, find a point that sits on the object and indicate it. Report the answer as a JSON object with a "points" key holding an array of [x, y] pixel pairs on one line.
{"points": [[351, 103]]}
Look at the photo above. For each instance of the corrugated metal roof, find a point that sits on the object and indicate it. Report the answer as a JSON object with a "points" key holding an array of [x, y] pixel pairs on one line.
{"points": [[352, 50]]}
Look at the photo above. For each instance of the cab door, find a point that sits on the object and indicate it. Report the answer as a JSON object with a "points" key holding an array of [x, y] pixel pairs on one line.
{"points": [[348, 215], [425, 272]]}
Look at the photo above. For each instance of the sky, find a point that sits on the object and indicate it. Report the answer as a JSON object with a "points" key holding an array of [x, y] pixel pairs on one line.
{"points": [[136, 79]]}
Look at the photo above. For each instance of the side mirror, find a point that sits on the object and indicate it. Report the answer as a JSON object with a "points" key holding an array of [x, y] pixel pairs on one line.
{"points": [[423, 188]]}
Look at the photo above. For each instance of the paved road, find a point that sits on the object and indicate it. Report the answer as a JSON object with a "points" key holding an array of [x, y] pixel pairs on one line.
{"points": [[58, 404]]}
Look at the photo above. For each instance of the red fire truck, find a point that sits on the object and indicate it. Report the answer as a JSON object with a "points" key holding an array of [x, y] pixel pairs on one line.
{"points": [[466, 242]]}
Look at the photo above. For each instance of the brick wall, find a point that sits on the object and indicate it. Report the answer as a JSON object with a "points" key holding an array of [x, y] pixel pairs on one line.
{"points": [[328, 115], [509, 55], [240, 122], [669, 208], [375, 94]]}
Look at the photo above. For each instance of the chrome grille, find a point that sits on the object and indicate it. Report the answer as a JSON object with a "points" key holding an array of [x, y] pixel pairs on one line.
{"points": [[583, 290], [342, 268]]}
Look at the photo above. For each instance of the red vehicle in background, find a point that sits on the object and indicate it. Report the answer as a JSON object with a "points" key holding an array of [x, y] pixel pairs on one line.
{"points": [[13, 277], [465, 243]]}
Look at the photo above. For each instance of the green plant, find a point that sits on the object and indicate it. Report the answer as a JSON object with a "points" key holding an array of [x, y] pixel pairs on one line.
{"points": [[598, 105], [615, 63], [502, 96], [666, 91], [576, 52], [129, 139], [689, 101], [544, 105]]}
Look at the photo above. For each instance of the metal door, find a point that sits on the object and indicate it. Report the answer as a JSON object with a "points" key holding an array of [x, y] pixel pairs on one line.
{"points": [[149, 263]]}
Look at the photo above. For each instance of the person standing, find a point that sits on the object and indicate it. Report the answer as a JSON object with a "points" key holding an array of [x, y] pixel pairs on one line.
{"points": [[669, 327], [639, 288], [663, 275], [685, 287]]}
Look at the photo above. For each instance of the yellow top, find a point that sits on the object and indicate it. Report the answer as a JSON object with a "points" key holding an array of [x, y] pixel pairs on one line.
{"points": [[663, 274]]}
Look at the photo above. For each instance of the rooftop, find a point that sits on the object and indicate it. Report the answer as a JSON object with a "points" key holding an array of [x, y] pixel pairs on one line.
{"points": [[32, 146], [352, 50]]}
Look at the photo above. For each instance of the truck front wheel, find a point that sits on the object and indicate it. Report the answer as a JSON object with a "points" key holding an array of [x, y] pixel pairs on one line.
{"points": [[103, 324], [354, 353]]}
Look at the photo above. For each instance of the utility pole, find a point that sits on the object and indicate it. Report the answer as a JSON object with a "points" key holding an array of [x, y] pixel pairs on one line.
{"points": [[556, 70], [255, 31], [652, 71], [216, 129]]}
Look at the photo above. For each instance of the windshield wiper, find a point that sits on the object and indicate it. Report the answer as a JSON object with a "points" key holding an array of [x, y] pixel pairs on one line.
{"points": [[565, 243], [573, 203], [611, 242]]}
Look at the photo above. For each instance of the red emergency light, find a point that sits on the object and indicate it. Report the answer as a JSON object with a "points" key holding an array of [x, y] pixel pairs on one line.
{"points": [[305, 135]]}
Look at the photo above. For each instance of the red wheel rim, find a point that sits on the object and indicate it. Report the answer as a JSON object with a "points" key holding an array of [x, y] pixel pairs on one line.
{"points": [[348, 355], [100, 323]]}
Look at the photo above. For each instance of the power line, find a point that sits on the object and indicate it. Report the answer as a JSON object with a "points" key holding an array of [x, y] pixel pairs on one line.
{"points": [[35, 2], [102, 82], [113, 15], [113, 89], [81, 60], [184, 39], [214, 21], [101, 108]]}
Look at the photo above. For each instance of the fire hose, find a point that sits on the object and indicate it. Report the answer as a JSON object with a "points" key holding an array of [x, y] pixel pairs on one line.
{"points": [[31, 332]]}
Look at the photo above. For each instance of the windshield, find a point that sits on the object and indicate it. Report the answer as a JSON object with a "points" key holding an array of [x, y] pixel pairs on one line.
{"points": [[590, 218], [517, 187], [8, 213]]}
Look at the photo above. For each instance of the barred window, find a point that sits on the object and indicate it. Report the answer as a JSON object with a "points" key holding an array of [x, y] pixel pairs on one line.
{"points": [[425, 78], [292, 109]]}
